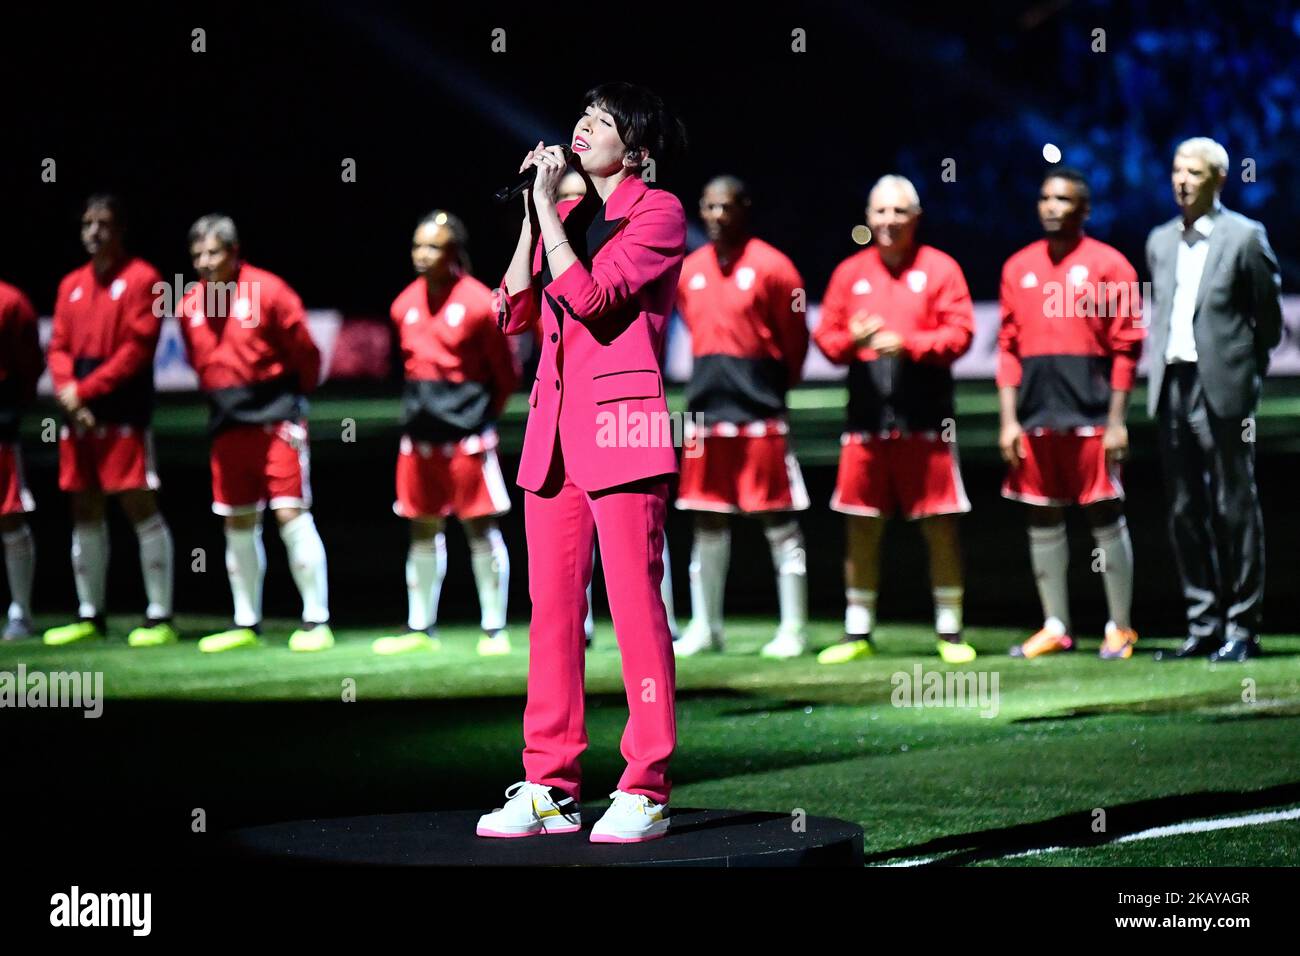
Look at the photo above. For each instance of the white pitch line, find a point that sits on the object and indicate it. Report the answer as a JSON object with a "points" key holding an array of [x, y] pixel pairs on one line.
{"points": [[1177, 829], [1204, 826]]}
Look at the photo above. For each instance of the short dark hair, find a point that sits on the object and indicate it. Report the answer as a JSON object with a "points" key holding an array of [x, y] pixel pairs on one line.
{"points": [[641, 119], [110, 201], [732, 184], [1072, 175]]}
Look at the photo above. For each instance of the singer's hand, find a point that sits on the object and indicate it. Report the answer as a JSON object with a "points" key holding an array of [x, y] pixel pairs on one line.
{"points": [[529, 160], [551, 165]]}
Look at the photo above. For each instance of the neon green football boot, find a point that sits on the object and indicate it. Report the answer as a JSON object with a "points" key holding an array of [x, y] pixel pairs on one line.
{"points": [[406, 643], [85, 630], [317, 638], [849, 649], [153, 635], [954, 650], [229, 640], [494, 644]]}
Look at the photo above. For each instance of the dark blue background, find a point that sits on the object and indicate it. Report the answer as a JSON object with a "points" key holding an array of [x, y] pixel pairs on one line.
{"points": [[258, 125]]}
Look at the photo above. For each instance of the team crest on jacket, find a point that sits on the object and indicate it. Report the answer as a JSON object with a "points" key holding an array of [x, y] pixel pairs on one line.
{"points": [[697, 281], [1078, 275], [862, 287], [116, 289], [76, 295], [1028, 280], [744, 278], [916, 281], [455, 312], [412, 315]]}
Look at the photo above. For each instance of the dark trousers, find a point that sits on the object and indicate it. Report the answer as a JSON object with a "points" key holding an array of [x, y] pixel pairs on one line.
{"points": [[1215, 521]]}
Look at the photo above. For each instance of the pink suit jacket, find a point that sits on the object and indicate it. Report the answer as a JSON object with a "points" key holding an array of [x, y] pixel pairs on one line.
{"points": [[602, 334]]}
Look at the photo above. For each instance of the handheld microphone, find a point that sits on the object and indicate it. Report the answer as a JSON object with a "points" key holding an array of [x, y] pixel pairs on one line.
{"points": [[525, 181]]}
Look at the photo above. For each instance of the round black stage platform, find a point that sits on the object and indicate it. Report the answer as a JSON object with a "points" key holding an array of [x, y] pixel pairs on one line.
{"points": [[696, 838]]}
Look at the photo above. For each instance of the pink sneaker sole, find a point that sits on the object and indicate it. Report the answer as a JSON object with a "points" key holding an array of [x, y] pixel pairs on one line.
{"points": [[511, 836], [608, 838]]}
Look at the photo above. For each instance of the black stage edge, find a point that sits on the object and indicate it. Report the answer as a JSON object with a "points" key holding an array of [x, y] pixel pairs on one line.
{"points": [[716, 838]]}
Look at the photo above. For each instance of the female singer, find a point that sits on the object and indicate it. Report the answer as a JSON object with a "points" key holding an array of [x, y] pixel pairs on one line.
{"points": [[600, 274]]}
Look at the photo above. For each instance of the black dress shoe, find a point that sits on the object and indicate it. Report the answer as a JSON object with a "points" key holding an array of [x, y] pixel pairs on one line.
{"points": [[1192, 647], [1236, 652]]}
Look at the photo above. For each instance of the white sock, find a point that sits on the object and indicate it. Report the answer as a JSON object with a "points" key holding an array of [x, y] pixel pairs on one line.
{"points": [[1049, 553], [20, 567], [1117, 573], [710, 557], [156, 557], [426, 566], [491, 563], [947, 611], [791, 564], [859, 611], [90, 566], [307, 563], [246, 568], [666, 592]]}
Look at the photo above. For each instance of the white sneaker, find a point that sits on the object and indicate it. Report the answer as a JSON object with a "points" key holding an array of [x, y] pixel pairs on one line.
{"points": [[631, 818], [531, 809], [786, 644], [696, 638]]}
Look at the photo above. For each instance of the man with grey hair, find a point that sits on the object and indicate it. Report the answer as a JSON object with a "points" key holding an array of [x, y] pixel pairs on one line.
{"points": [[246, 335], [1216, 311]]}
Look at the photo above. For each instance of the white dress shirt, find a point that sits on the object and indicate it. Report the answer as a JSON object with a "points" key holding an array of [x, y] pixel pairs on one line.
{"points": [[1193, 247]]}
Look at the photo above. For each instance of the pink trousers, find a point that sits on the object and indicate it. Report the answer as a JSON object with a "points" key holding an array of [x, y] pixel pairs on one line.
{"points": [[560, 520]]}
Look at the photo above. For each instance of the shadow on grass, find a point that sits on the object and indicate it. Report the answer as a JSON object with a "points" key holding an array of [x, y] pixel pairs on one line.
{"points": [[1212, 706]]}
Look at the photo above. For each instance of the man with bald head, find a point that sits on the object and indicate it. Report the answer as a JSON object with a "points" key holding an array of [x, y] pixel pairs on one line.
{"points": [[743, 302], [898, 314], [1216, 312]]}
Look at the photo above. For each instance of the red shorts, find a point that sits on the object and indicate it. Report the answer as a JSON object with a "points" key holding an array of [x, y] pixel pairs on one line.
{"points": [[107, 458], [253, 465], [914, 475], [740, 468], [15, 499], [1063, 468], [458, 478]]}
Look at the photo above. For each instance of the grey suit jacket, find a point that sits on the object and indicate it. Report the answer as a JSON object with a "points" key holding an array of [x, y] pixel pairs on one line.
{"points": [[1238, 317]]}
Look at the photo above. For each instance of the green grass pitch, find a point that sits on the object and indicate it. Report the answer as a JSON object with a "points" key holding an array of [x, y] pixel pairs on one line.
{"points": [[1150, 745]]}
